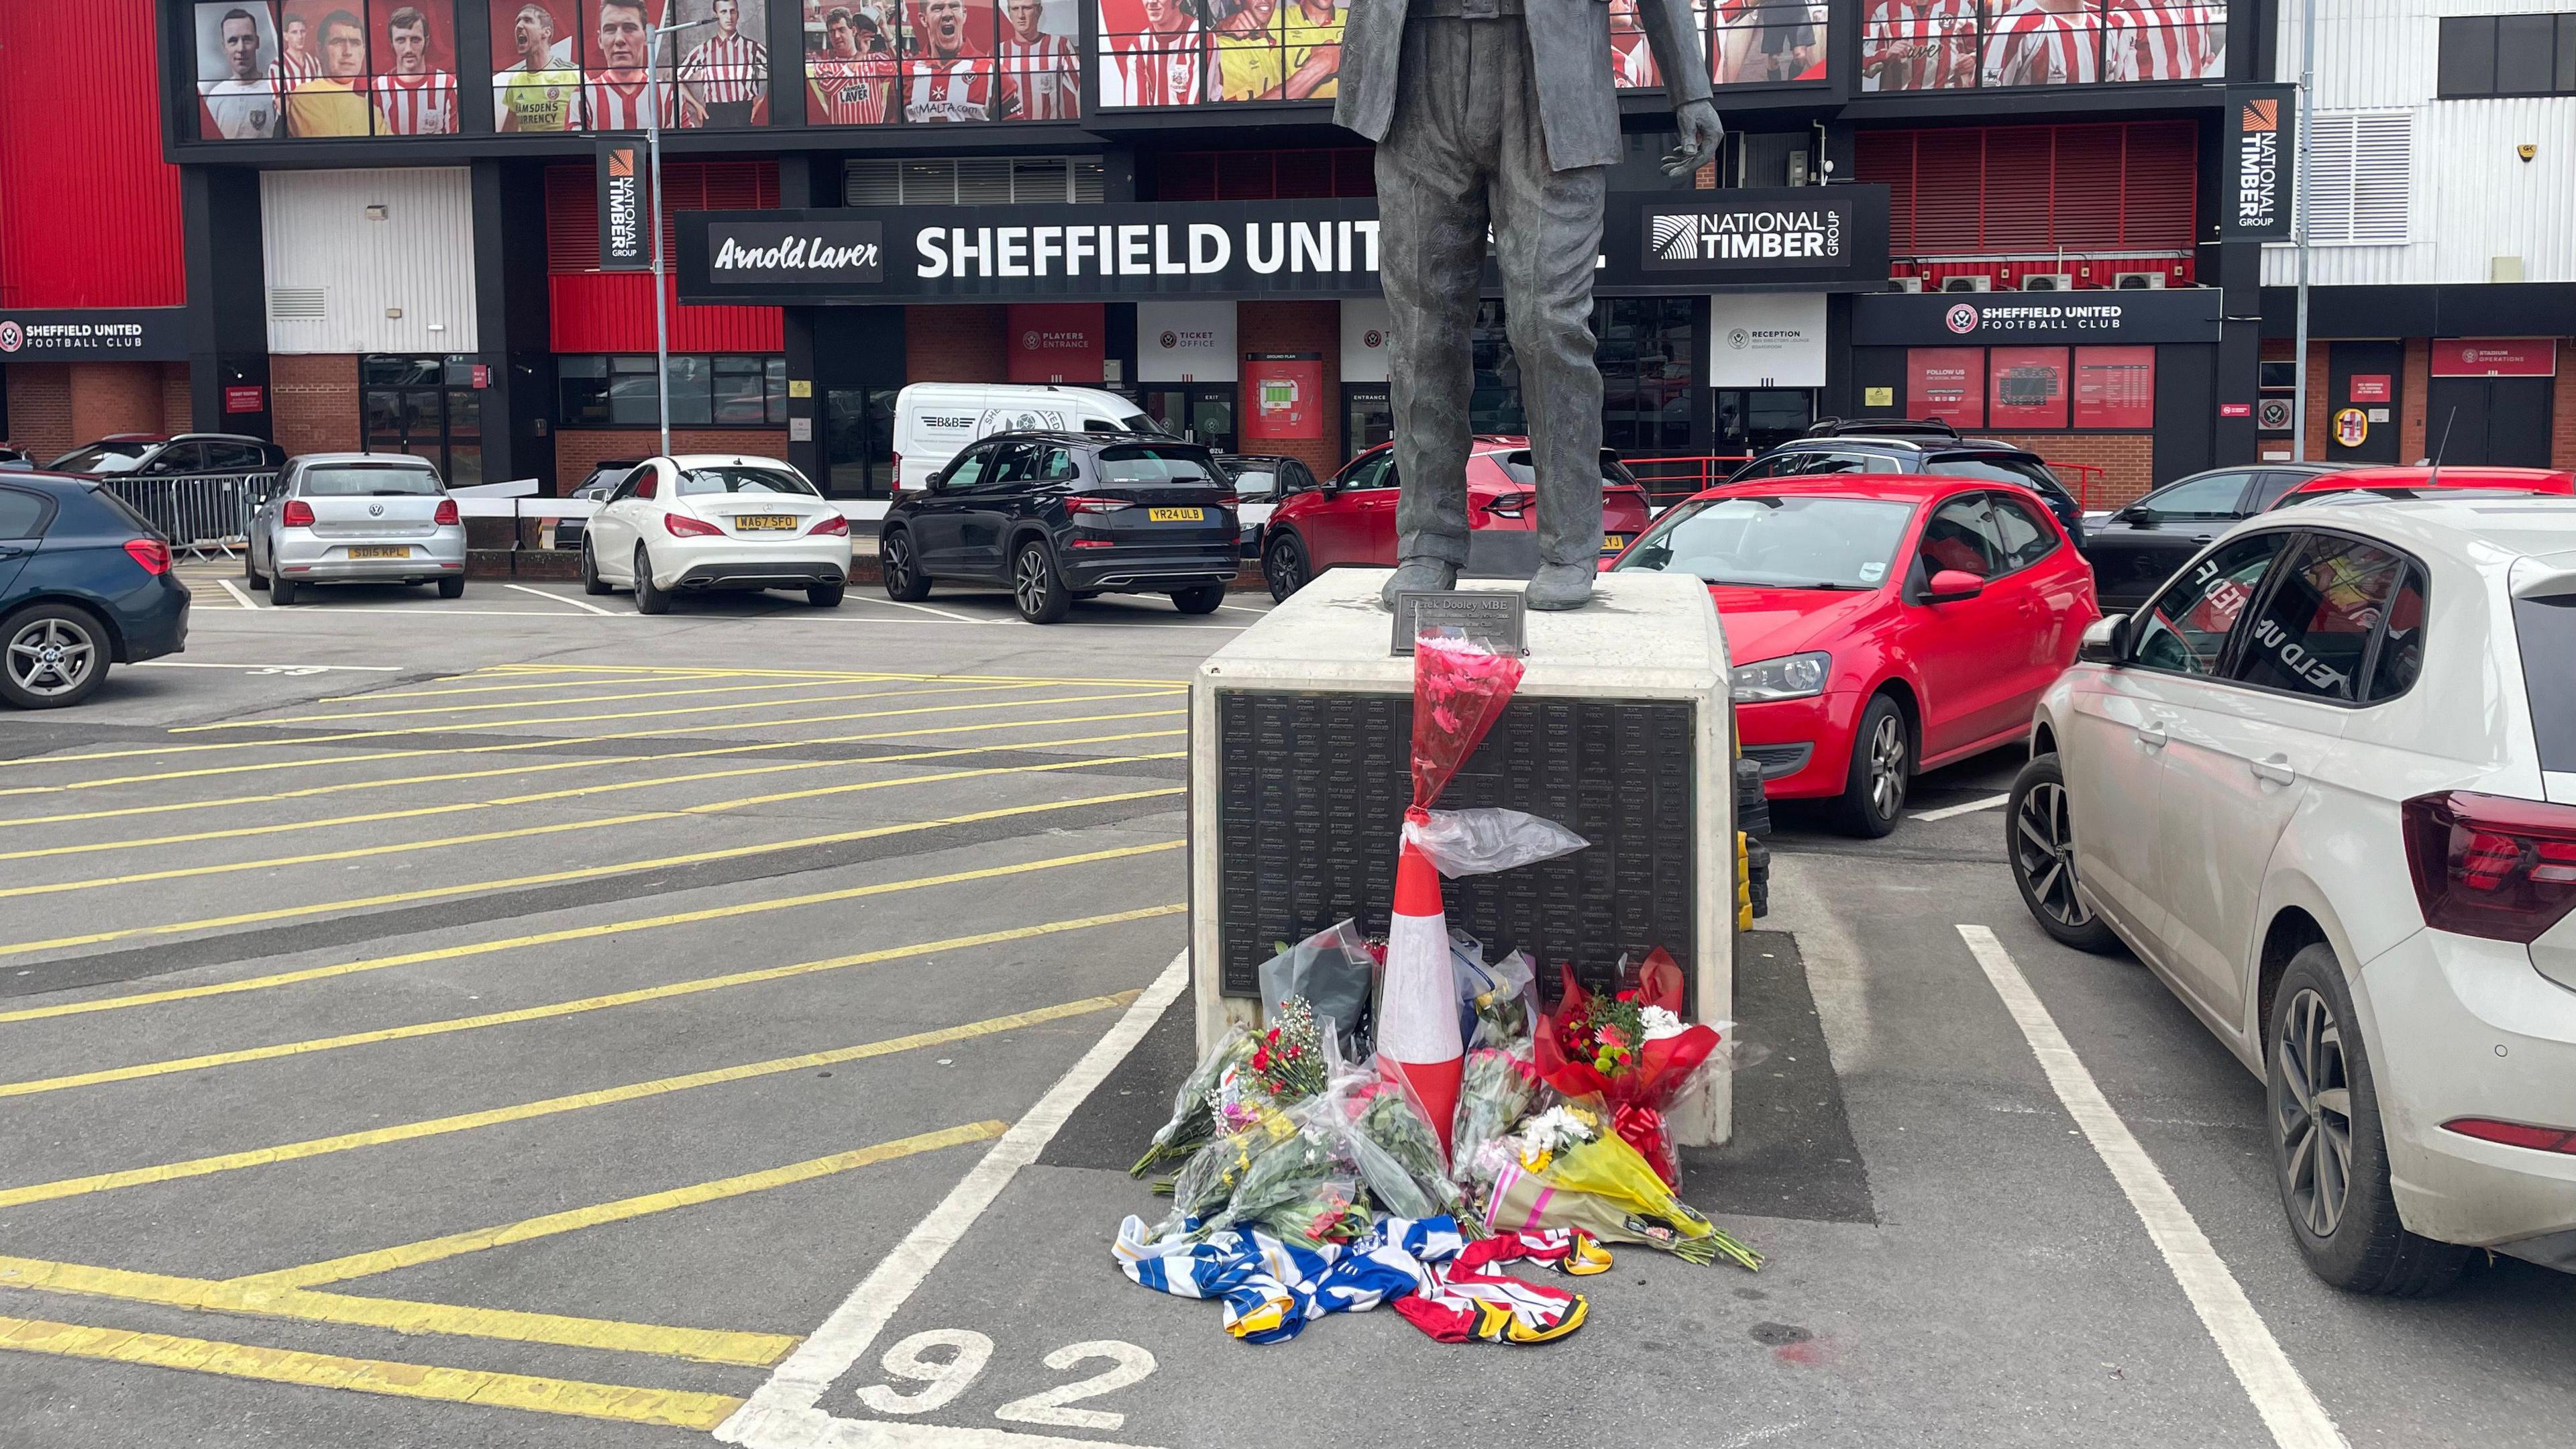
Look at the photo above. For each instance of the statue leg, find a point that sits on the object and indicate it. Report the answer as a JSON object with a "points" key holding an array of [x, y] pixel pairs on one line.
{"points": [[1431, 179]]}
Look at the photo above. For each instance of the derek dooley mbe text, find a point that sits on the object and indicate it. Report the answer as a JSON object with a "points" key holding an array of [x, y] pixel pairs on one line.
{"points": [[1137, 249]]}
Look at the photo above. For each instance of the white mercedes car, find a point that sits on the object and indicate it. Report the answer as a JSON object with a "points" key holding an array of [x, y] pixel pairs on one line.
{"points": [[2324, 784], [707, 521]]}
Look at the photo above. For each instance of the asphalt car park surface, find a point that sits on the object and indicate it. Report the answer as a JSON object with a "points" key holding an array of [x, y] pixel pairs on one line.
{"points": [[517, 1021]]}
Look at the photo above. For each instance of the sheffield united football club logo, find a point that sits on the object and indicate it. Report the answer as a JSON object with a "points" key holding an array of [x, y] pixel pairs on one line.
{"points": [[1171, 339], [1962, 318], [1029, 340], [1372, 338], [11, 338]]}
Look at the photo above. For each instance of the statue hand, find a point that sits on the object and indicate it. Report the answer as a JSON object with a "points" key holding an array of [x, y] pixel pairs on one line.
{"points": [[1701, 131]]}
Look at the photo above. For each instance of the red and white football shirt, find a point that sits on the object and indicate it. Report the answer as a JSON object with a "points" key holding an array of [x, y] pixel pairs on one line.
{"points": [[618, 105], [1040, 78], [415, 105], [853, 90], [956, 88]]}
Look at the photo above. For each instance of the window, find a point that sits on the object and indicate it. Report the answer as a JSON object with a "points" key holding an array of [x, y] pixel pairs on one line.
{"points": [[2399, 655], [1017, 464], [2186, 628], [1377, 470], [2004, 43], [1794, 541], [2364, 163], [718, 391], [1058, 467], [224, 457], [699, 481], [2026, 538], [2506, 55], [2270, 488], [346, 68], [176, 459], [1145, 463], [1961, 536], [2215, 496], [23, 514], [569, 65], [945, 181], [2545, 630], [2311, 635]]}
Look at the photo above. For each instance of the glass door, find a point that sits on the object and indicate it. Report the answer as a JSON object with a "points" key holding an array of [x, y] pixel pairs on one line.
{"points": [[858, 442], [427, 407], [1752, 419], [1368, 416], [1202, 412]]}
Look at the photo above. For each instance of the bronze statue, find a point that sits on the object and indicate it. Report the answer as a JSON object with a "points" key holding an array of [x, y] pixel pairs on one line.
{"points": [[1500, 112]]}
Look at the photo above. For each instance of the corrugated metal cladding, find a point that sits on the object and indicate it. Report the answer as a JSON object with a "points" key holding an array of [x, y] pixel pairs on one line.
{"points": [[2123, 186], [596, 311], [391, 252], [2471, 198], [80, 123]]}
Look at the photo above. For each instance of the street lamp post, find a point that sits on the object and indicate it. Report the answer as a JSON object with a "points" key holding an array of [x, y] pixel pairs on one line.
{"points": [[653, 166]]}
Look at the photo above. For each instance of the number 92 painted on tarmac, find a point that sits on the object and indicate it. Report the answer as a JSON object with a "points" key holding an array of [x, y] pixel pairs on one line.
{"points": [[962, 1355]]}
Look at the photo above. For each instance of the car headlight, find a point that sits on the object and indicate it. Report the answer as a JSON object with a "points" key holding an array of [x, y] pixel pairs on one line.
{"points": [[1791, 676]]}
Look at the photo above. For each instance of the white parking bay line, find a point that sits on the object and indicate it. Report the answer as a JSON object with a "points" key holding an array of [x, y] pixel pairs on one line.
{"points": [[783, 1412], [562, 599], [925, 608], [1970, 808], [270, 668], [235, 590], [2289, 1408]]}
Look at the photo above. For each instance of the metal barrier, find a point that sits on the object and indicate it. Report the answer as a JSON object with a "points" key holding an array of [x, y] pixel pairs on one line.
{"points": [[201, 516]]}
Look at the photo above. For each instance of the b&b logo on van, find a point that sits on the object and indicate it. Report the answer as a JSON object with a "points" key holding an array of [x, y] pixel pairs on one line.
{"points": [[1961, 319]]}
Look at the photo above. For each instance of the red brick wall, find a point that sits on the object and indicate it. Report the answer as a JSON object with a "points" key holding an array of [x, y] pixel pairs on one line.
{"points": [[40, 408], [115, 397], [178, 409], [2562, 408], [313, 400], [1299, 327], [578, 450], [956, 344], [2413, 400], [2127, 461]]}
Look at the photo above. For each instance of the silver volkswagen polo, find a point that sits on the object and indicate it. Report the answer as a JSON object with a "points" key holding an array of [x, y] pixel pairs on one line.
{"points": [[356, 517]]}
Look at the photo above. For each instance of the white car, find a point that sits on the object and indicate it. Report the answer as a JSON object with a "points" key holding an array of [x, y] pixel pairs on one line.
{"points": [[715, 521], [2324, 784]]}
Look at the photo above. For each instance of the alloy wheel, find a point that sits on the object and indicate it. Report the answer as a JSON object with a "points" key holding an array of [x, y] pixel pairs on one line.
{"points": [[1887, 766], [1029, 581], [2312, 1113], [897, 564], [2044, 851], [51, 657], [1282, 571]]}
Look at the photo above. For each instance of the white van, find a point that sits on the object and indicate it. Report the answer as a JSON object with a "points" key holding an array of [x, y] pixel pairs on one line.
{"points": [[934, 421]]}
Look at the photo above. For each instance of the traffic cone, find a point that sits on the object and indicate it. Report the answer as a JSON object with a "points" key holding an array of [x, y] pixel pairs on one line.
{"points": [[1417, 1030]]}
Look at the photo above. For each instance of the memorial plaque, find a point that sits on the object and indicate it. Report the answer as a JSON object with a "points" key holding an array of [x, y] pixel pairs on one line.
{"points": [[1495, 618]]}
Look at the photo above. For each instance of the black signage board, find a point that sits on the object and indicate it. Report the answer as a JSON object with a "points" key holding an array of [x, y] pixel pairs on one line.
{"points": [[2262, 135], [95, 334], [624, 245], [1818, 238], [1932, 319]]}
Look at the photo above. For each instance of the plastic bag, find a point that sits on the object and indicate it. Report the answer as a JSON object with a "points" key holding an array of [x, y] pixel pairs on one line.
{"points": [[1496, 1003], [1483, 841], [1499, 1087], [1335, 972], [1396, 1150], [1193, 1119]]}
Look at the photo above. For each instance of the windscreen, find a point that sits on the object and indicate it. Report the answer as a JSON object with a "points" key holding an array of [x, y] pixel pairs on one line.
{"points": [[772, 481], [1517, 467], [363, 480], [1776, 542], [2002, 470], [102, 458], [1145, 463], [1140, 423]]}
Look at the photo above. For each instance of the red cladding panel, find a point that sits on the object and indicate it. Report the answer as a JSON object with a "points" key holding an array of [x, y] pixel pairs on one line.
{"points": [[1965, 191], [89, 212], [613, 312]]}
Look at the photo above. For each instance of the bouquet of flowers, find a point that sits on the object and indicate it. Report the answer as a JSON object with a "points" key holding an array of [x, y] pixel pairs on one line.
{"points": [[1398, 1153], [1459, 690], [1244, 1073], [1208, 1181], [1194, 1108], [1632, 1050], [1569, 1173], [1499, 1088]]}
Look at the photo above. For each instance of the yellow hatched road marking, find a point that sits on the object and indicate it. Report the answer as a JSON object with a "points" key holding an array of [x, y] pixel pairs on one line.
{"points": [[561, 827], [587, 762], [400, 1315], [524, 1111], [461, 807], [210, 1060], [673, 1407], [557, 742], [339, 716], [739, 707], [465, 686], [432, 1250], [591, 872], [688, 671]]}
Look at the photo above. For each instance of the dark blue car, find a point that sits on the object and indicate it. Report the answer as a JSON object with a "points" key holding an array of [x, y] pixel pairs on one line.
{"points": [[84, 583]]}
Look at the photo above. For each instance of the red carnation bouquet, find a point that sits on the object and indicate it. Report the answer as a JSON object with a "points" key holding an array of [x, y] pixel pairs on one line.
{"points": [[1632, 1050]]}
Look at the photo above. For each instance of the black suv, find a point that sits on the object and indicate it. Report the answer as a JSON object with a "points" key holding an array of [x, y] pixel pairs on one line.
{"points": [[1056, 517], [2138, 548], [1897, 445], [151, 455]]}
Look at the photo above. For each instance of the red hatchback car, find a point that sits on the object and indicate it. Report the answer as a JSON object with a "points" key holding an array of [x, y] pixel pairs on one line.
{"points": [[1882, 624], [1351, 519], [2408, 482]]}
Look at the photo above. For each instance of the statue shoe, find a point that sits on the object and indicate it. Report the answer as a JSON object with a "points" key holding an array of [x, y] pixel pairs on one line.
{"points": [[1560, 586], [1419, 575]]}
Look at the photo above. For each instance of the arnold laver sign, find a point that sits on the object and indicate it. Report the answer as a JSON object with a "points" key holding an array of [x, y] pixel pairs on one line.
{"points": [[834, 251]]}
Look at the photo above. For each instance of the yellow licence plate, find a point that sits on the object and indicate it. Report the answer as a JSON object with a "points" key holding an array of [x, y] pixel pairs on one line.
{"points": [[380, 552], [752, 522], [1176, 515], [1613, 542]]}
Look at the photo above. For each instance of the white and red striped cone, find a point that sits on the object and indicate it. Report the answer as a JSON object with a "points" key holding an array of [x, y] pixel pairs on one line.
{"points": [[1417, 1029]]}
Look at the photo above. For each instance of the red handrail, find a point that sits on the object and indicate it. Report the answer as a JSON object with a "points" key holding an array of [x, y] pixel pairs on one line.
{"points": [[2081, 479], [1669, 480]]}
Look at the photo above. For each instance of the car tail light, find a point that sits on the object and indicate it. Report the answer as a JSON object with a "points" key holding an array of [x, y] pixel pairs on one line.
{"points": [[152, 553], [1088, 503], [1511, 505], [834, 524], [2514, 1134], [446, 516], [2486, 865], [296, 514], [683, 526]]}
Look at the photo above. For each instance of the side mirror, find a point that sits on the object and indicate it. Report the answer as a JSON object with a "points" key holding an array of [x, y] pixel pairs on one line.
{"points": [[2131, 514], [1951, 585], [2106, 641]]}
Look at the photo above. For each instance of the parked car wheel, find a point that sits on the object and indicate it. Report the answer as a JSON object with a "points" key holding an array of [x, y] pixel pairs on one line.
{"points": [[1283, 567], [1204, 599], [1873, 795], [451, 588], [904, 580], [1035, 585], [826, 596], [2040, 838], [2329, 1153], [649, 599], [252, 578], [52, 655], [591, 582], [283, 591]]}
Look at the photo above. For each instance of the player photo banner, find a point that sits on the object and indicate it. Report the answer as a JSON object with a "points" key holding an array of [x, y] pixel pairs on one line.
{"points": [[571, 65], [1909, 45], [1765, 42], [1163, 53], [326, 68]]}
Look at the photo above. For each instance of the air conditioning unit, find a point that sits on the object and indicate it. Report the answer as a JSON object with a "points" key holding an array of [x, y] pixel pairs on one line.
{"points": [[2048, 282], [2138, 281], [1967, 284], [1906, 284]]}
